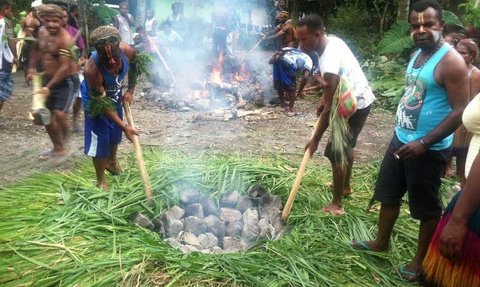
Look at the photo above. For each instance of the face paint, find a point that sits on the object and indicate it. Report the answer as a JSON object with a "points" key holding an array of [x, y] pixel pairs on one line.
{"points": [[108, 50], [436, 35], [421, 20]]}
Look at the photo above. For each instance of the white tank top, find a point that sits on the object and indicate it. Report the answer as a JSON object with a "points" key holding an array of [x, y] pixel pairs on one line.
{"points": [[149, 25]]}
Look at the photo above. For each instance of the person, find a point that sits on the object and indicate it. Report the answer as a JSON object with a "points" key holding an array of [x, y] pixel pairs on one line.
{"points": [[73, 16], [59, 73], [284, 32], [140, 39], [80, 43], [123, 21], [453, 252], [30, 26], [334, 57], [177, 19], [468, 49], [286, 64], [151, 23], [105, 72], [430, 110], [8, 51], [280, 7], [169, 38]]}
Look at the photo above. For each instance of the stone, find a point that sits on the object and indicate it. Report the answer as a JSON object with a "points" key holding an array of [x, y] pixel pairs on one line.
{"points": [[208, 240], [173, 242], [234, 228], [215, 225], [216, 249], [266, 229], [244, 203], [188, 249], [277, 202], [176, 212], [233, 244], [195, 209], [230, 199], [189, 238], [189, 196], [195, 225], [142, 220], [158, 226], [230, 214], [172, 226], [256, 191], [209, 206], [250, 232], [250, 217]]}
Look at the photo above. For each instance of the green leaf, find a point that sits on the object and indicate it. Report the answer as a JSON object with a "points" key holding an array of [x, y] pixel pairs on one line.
{"points": [[451, 19], [396, 40]]}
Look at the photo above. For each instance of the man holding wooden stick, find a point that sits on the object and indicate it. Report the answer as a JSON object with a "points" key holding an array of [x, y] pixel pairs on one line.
{"points": [[102, 97], [336, 60], [60, 79]]}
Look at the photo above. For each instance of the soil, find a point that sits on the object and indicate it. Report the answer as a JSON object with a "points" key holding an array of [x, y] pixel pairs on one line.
{"points": [[22, 142]]}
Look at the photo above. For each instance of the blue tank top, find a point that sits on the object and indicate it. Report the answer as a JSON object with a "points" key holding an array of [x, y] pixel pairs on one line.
{"points": [[112, 84], [424, 104]]}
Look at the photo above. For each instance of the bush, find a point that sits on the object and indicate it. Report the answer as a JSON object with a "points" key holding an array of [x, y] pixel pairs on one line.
{"points": [[355, 27]]}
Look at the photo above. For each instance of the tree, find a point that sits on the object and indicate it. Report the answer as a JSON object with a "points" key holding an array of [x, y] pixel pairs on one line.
{"points": [[140, 16], [403, 9]]}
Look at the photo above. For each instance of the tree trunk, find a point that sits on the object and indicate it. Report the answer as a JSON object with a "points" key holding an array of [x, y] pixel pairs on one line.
{"points": [[82, 20], [141, 7], [403, 9]]}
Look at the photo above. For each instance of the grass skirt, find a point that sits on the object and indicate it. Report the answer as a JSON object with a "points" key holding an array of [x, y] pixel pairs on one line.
{"points": [[439, 271]]}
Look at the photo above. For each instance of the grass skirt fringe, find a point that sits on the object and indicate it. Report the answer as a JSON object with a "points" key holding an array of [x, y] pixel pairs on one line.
{"points": [[439, 271]]}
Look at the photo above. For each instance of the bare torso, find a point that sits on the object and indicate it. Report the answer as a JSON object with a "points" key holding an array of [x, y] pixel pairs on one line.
{"points": [[50, 47]]}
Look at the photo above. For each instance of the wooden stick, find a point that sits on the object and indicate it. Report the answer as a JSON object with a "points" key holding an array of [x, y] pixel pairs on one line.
{"points": [[299, 177], [139, 155], [251, 50]]}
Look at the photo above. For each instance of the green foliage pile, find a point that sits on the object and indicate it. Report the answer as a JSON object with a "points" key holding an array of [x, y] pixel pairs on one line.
{"points": [[59, 230]]}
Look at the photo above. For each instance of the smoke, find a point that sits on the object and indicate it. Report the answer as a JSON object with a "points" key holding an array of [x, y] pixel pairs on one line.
{"points": [[189, 42]]}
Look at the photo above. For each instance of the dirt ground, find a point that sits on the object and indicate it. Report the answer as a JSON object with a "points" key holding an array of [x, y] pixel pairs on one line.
{"points": [[22, 142]]}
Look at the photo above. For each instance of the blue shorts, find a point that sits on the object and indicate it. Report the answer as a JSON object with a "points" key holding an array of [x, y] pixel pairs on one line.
{"points": [[6, 88], [284, 76], [101, 133]]}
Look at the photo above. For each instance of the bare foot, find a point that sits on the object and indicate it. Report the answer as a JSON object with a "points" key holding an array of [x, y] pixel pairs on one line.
{"points": [[102, 185], [368, 245], [333, 209], [292, 114], [52, 154], [114, 168]]}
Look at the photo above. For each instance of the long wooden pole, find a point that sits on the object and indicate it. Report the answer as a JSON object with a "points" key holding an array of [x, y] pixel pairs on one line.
{"points": [[299, 177], [139, 155]]}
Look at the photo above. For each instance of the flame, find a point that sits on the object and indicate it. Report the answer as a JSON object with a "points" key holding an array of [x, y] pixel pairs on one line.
{"points": [[217, 70]]}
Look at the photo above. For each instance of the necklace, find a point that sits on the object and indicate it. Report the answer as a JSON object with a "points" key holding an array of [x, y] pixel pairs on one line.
{"points": [[429, 55]]}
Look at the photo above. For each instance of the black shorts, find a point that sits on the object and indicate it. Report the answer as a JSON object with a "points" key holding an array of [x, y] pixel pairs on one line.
{"points": [[355, 126], [62, 95], [421, 177]]}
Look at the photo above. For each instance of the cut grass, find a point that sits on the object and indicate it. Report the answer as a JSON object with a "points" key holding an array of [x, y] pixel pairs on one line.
{"points": [[59, 230]]}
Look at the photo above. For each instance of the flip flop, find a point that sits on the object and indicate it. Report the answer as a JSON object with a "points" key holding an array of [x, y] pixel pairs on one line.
{"points": [[407, 276], [360, 245], [292, 114]]}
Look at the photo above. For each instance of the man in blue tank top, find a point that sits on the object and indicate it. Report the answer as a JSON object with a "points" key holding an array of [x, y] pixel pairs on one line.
{"points": [[102, 98], [427, 115]]}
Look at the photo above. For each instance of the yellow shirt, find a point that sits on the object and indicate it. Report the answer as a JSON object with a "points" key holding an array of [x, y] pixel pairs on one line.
{"points": [[471, 120]]}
